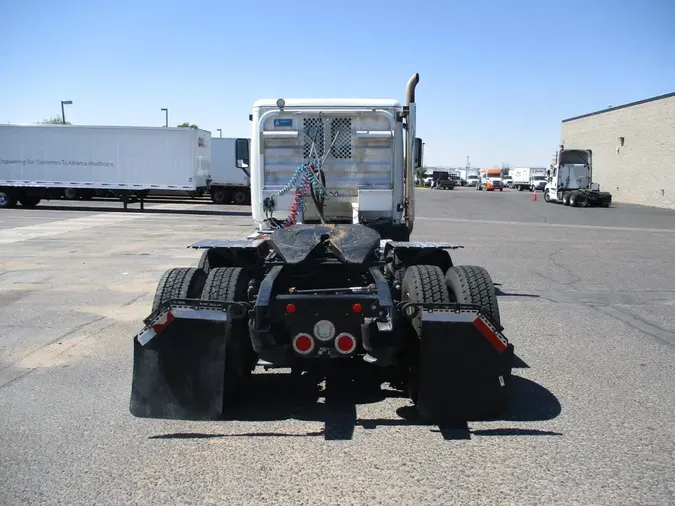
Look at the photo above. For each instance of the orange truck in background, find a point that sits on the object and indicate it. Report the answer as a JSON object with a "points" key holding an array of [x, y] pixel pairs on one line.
{"points": [[490, 180]]}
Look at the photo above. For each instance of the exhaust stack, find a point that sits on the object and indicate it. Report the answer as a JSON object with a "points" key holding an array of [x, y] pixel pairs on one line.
{"points": [[409, 176]]}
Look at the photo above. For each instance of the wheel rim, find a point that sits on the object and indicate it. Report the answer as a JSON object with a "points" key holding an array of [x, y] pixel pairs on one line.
{"points": [[4, 200]]}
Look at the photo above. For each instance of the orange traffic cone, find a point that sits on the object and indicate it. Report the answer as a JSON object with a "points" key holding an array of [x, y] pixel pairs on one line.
{"points": [[534, 194]]}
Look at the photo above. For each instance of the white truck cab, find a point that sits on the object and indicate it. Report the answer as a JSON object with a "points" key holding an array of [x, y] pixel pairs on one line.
{"points": [[570, 180], [358, 146]]}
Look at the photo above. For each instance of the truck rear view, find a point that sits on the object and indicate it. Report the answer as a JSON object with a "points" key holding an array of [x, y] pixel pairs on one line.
{"points": [[571, 181], [357, 142]]}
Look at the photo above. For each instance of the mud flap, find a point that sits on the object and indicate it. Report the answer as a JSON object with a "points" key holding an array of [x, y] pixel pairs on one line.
{"points": [[179, 363], [465, 365]]}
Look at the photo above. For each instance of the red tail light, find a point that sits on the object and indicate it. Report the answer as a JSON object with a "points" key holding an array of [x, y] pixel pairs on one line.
{"points": [[303, 343], [345, 343], [357, 308], [290, 308]]}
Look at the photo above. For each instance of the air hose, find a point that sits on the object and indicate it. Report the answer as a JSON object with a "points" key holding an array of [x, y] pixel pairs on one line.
{"points": [[308, 183]]}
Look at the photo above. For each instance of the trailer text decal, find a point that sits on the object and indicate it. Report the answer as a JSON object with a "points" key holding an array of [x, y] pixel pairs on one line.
{"points": [[56, 162]]}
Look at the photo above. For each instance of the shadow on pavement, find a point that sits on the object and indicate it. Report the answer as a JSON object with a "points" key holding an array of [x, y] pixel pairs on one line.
{"points": [[275, 397], [500, 293]]}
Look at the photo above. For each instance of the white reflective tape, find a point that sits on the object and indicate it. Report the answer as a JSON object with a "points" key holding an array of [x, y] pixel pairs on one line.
{"points": [[146, 335], [449, 315], [200, 314]]}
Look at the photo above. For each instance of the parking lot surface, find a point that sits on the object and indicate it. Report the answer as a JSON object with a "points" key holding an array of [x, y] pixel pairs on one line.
{"points": [[587, 296]]}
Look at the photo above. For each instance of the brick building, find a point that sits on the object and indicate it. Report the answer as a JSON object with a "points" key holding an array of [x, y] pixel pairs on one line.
{"points": [[633, 149]]}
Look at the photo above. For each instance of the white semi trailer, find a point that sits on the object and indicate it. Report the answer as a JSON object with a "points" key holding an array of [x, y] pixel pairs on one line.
{"points": [[53, 161]]}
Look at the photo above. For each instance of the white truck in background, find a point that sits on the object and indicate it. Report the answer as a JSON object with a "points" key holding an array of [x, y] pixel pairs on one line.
{"points": [[571, 181], [528, 178], [46, 162], [472, 177], [538, 179], [230, 179]]}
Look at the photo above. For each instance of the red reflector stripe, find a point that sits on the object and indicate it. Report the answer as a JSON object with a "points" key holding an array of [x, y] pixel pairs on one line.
{"points": [[489, 335], [161, 325]]}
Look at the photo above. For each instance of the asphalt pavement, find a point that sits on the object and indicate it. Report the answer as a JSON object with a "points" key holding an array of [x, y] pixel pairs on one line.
{"points": [[587, 296]]}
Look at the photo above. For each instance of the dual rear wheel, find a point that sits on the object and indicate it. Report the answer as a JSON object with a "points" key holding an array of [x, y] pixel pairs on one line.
{"points": [[465, 284], [226, 284]]}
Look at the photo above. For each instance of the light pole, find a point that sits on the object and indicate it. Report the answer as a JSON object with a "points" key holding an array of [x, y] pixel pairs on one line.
{"points": [[220, 130], [166, 111], [63, 110]]}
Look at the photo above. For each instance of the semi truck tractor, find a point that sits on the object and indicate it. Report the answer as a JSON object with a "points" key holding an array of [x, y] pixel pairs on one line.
{"points": [[570, 181], [329, 284], [490, 180]]}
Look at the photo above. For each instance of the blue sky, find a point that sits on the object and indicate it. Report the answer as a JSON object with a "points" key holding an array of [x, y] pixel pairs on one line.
{"points": [[496, 77]]}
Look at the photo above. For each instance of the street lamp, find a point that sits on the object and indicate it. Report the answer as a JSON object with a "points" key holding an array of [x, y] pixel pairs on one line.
{"points": [[220, 130], [63, 111], [167, 116]]}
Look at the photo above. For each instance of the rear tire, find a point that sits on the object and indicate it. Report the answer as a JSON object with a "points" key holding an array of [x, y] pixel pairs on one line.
{"points": [[421, 283], [230, 284], [424, 283], [566, 198], [7, 200], [471, 284], [219, 196], [179, 283], [239, 196], [71, 194], [204, 262]]}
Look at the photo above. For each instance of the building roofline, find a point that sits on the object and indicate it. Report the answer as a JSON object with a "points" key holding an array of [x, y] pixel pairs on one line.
{"points": [[646, 100]]}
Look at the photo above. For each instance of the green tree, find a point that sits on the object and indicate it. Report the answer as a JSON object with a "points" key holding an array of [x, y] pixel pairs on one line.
{"points": [[187, 124], [420, 173], [54, 120]]}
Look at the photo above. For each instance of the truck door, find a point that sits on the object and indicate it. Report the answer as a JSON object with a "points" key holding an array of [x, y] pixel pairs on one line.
{"points": [[553, 183]]}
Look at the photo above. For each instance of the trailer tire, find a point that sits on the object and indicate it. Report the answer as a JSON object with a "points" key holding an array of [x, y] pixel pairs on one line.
{"points": [[29, 202], [71, 194], [239, 196], [219, 196], [7, 199], [472, 284], [230, 284], [179, 283]]}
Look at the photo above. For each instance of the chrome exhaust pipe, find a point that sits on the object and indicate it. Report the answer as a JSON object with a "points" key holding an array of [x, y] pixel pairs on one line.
{"points": [[409, 175]]}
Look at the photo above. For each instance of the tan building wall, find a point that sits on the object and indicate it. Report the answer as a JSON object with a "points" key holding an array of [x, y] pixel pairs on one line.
{"points": [[642, 171]]}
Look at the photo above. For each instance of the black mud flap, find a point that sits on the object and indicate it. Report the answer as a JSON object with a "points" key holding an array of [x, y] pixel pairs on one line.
{"points": [[465, 365], [179, 362]]}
